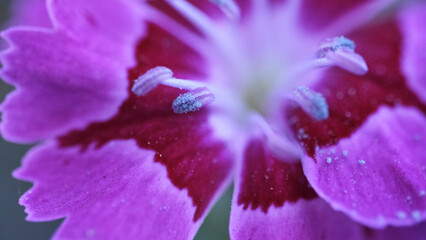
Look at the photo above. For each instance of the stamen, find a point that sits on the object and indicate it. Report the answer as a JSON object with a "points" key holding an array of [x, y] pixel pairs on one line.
{"points": [[229, 8], [278, 145], [192, 101], [194, 15], [313, 103], [340, 51], [161, 75], [150, 80]]}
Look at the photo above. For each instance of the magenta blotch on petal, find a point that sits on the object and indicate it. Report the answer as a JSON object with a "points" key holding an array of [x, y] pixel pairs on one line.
{"points": [[377, 175], [265, 181]]}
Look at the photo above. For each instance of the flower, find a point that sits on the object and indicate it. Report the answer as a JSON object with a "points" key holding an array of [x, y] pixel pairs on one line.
{"points": [[147, 110]]}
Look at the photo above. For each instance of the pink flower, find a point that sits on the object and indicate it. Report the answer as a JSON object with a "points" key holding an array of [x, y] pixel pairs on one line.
{"points": [[146, 111]]}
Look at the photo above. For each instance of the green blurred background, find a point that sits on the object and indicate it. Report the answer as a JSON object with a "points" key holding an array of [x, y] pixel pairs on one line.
{"points": [[12, 216]]}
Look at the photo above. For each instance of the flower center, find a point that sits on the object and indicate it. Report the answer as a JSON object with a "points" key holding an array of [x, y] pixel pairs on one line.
{"points": [[254, 65]]}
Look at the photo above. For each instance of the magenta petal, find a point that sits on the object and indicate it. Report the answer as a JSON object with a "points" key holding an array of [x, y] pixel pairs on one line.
{"points": [[310, 219], [65, 79], [414, 58], [378, 175], [110, 28], [304, 219], [316, 15], [113, 192]]}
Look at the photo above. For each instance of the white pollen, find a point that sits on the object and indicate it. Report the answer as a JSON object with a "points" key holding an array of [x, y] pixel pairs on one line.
{"points": [[422, 193], [345, 153], [416, 137], [90, 233], [416, 215], [192, 101], [401, 214], [361, 162], [329, 160]]}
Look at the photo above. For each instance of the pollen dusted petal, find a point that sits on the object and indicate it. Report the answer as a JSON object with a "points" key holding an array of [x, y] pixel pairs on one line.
{"points": [[303, 219], [271, 201], [380, 179], [309, 219], [116, 191]]}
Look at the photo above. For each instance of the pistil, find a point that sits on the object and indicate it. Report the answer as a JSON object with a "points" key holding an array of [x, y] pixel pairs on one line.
{"points": [[313, 103], [229, 8], [279, 145]]}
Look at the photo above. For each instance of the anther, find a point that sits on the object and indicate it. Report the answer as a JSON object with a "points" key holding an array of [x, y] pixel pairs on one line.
{"points": [[150, 80], [340, 51], [193, 100], [313, 103], [229, 8], [164, 76]]}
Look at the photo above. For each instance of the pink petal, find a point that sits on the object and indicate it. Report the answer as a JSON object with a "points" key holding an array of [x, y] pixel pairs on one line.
{"points": [[378, 175], [301, 218], [63, 81], [117, 191], [414, 58], [304, 219]]}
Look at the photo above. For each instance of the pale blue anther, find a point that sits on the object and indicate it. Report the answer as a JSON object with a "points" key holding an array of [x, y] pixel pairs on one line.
{"points": [[312, 103], [192, 101], [342, 42], [186, 103], [340, 51], [334, 44]]}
